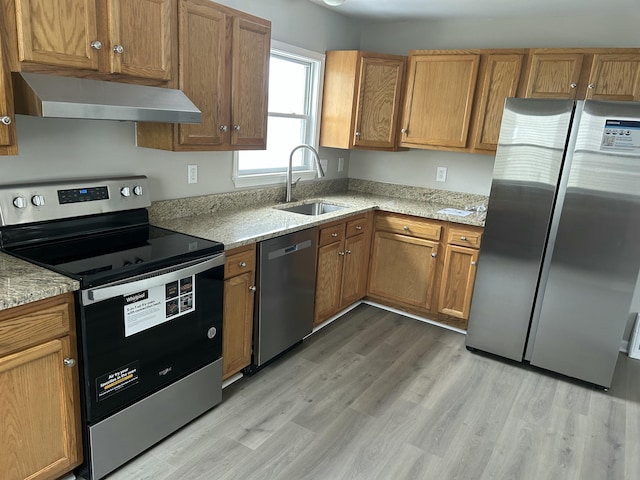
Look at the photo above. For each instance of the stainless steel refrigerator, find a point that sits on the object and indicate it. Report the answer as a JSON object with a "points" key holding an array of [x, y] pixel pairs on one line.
{"points": [[560, 253]]}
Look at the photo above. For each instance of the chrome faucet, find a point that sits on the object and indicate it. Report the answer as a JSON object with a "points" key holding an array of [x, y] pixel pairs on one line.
{"points": [[319, 169]]}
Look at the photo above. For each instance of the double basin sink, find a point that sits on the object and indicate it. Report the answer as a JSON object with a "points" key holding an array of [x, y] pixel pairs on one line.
{"points": [[315, 208]]}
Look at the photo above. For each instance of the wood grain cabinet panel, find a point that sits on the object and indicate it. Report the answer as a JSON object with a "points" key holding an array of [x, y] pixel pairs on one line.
{"points": [[223, 68], [554, 75], [361, 100], [614, 77], [239, 298], [439, 99], [40, 438], [458, 277], [8, 140], [328, 280], [356, 269]]}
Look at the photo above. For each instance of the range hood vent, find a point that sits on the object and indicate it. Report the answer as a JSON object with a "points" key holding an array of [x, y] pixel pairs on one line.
{"points": [[53, 96]]}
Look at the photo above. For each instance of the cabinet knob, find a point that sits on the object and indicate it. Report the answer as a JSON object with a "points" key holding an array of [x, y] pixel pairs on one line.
{"points": [[573, 85], [357, 134], [358, 227], [223, 128], [334, 234], [474, 263], [119, 49], [96, 44], [592, 86], [405, 228], [5, 120], [404, 130], [242, 264], [341, 254], [253, 288], [236, 128], [434, 254], [463, 238], [348, 252], [69, 362]]}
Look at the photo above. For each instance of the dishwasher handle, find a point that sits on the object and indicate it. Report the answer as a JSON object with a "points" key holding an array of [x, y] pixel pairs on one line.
{"points": [[148, 280], [281, 252]]}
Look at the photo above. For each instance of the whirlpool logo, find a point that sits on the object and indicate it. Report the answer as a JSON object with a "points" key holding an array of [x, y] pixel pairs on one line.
{"points": [[165, 371], [136, 297]]}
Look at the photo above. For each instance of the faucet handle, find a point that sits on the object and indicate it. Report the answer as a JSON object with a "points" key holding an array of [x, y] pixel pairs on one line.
{"points": [[296, 182]]}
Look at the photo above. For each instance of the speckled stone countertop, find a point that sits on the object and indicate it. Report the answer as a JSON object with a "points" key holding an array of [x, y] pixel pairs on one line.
{"points": [[21, 282], [243, 226]]}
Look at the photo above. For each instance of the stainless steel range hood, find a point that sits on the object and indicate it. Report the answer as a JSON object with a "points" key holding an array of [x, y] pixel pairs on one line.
{"points": [[69, 97]]}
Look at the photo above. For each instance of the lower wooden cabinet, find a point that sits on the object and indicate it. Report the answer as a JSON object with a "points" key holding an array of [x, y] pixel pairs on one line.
{"points": [[237, 329], [343, 265], [40, 436]]}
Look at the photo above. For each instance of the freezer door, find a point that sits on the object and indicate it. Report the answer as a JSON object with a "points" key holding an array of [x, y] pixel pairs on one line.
{"points": [[596, 256], [530, 153]]}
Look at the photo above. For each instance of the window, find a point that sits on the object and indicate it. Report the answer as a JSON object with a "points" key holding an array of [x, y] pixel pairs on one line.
{"points": [[295, 80]]}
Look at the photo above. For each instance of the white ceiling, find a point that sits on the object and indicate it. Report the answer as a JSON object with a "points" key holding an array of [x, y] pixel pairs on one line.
{"points": [[396, 10]]}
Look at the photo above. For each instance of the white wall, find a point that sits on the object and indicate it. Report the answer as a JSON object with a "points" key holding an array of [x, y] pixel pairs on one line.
{"points": [[472, 173], [50, 148]]}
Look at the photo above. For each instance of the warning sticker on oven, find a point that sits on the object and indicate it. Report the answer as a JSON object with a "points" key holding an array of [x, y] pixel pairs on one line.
{"points": [[113, 382], [148, 308], [621, 136]]}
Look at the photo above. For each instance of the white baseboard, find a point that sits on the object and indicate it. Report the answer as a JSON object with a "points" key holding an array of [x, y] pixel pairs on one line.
{"points": [[415, 317]]}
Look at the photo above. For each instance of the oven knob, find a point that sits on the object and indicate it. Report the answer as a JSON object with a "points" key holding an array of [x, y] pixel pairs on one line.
{"points": [[212, 332], [126, 263], [38, 200], [20, 202], [137, 190], [125, 191]]}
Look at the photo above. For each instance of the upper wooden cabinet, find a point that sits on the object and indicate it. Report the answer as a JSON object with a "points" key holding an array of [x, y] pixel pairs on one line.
{"points": [[598, 74], [223, 68], [103, 36], [439, 98], [361, 100], [8, 142]]}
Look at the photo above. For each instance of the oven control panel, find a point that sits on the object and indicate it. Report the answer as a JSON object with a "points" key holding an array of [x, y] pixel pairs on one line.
{"points": [[46, 201]]}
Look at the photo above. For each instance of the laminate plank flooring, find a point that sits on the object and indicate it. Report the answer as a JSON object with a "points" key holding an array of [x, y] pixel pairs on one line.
{"points": [[376, 395]]}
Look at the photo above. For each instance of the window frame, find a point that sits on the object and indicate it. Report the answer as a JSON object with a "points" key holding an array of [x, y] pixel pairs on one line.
{"points": [[313, 129]]}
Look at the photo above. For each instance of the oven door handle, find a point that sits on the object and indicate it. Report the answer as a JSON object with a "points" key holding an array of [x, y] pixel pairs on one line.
{"points": [[152, 279]]}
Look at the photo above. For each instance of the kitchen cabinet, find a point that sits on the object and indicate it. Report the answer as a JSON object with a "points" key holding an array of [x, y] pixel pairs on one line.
{"points": [[8, 141], [404, 260], [223, 68], [439, 98], [459, 270], [361, 100], [67, 37], [343, 265], [598, 74], [40, 438], [239, 295]]}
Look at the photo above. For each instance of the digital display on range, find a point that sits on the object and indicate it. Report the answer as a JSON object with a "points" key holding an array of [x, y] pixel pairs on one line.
{"points": [[76, 195]]}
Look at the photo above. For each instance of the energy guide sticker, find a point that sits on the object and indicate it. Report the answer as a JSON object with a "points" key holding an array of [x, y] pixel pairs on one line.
{"points": [[148, 308], [114, 382], [621, 136]]}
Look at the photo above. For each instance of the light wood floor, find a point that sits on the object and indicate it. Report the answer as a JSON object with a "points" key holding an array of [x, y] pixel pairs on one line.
{"points": [[379, 396]]}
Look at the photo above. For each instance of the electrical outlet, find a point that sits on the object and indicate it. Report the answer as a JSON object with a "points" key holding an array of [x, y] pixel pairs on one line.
{"points": [[192, 174], [325, 165], [441, 174], [340, 164]]}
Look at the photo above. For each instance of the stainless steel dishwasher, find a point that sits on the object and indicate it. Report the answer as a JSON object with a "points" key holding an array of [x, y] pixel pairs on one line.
{"points": [[286, 279]]}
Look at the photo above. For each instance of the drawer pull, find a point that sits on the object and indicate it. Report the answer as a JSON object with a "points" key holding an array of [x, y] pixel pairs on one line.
{"points": [[474, 263], [334, 234], [358, 227], [252, 288], [69, 362], [463, 238], [341, 254], [242, 264], [405, 228]]}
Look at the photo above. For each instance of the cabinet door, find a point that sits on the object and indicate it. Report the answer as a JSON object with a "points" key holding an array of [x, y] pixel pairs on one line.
{"points": [[615, 77], [205, 79], [554, 75], [238, 323], [39, 434], [440, 91], [250, 83], [380, 81], [329, 275], [403, 269], [8, 142], [500, 77], [355, 270], [144, 29], [57, 32], [458, 277]]}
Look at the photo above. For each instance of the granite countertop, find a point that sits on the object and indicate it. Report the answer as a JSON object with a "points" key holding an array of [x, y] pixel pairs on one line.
{"points": [[240, 227], [22, 282]]}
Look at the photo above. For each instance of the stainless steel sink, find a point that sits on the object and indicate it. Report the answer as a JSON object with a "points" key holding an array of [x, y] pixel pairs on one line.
{"points": [[315, 208]]}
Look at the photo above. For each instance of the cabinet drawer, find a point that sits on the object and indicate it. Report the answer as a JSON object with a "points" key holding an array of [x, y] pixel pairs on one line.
{"points": [[356, 227], [33, 326], [239, 262], [330, 234], [409, 226], [464, 237]]}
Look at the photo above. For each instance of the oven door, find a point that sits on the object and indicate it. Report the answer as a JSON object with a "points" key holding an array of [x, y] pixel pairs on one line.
{"points": [[143, 333]]}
